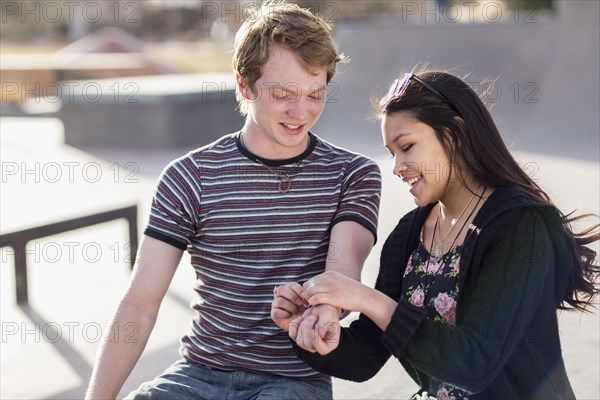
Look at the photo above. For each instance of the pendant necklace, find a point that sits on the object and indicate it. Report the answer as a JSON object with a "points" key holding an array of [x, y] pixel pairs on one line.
{"points": [[439, 244], [285, 180], [438, 249]]}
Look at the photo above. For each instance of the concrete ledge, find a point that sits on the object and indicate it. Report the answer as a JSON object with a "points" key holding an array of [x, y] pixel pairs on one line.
{"points": [[167, 111]]}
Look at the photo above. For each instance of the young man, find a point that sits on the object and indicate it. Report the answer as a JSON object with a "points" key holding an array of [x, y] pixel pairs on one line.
{"points": [[257, 209]]}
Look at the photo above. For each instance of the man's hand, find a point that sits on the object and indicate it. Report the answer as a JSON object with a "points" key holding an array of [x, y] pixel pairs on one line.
{"points": [[287, 304]]}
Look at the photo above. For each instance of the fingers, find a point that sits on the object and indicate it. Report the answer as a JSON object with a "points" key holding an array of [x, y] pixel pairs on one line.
{"points": [[281, 317], [309, 289], [305, 331], [282, 311], [291, 291], [328, 319], [317, 291], [319, 299], [310, 285], [305, 334], [330, 288], [287, 304], [320, 283], [294, 327], [283, 304]]}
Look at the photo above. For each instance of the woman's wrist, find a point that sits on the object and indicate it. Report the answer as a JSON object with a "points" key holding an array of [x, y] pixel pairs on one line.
{"points": [[378, 307], [367, 300]]}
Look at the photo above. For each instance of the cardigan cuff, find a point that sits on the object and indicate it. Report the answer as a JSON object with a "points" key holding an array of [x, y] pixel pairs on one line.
{"points": [[405, 321], [316, 360]]}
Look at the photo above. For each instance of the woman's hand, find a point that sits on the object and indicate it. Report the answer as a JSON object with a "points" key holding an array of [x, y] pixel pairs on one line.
{"points": [[337, 290], [287, 305], [318, 331]]}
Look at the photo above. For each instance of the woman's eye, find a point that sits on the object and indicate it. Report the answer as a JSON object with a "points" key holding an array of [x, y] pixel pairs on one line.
{"points": [[406, 148]]}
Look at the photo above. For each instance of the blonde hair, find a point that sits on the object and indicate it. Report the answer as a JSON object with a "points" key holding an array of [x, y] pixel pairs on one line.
{"points": [[287, 25]]}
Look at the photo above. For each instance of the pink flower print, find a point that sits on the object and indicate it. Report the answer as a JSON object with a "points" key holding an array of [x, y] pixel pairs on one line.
{"points": [[456, 266], [434, 267], [443, 394], [417, 298], [451, 315], [408, 267], [446, 307], [443, 302]]}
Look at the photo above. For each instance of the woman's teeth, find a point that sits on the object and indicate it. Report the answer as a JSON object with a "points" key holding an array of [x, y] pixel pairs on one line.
{"points": [[413, 180]]}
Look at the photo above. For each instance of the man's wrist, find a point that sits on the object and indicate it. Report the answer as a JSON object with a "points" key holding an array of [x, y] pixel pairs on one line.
{"points": [[344, 313]]}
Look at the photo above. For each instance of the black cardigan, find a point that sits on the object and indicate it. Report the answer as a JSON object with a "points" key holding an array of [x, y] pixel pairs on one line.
{"points": [[515, 266]]}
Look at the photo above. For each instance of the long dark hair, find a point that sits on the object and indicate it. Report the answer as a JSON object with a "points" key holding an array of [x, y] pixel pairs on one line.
{"points": [[466, 130]]}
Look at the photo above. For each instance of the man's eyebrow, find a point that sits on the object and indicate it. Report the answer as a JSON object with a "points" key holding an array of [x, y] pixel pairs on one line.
{"points": [[322, 88], [292, 88]]}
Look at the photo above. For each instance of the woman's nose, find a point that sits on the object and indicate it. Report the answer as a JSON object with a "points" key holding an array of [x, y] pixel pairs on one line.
{"points": [[398, 167]]}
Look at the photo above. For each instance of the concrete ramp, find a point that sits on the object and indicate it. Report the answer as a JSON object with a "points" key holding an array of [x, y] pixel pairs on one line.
{"points": [[545, 98]]}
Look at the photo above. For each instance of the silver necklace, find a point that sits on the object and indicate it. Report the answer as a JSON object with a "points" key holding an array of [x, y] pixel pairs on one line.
{"points": [[285, 180], [439, 244], [438, 250]]}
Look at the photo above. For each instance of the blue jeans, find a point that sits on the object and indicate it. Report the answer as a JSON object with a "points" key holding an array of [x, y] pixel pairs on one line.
{"points": [[191, 381]]}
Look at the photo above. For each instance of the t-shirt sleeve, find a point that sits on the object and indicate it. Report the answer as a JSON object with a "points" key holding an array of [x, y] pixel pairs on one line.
{"points": [[361, 194], [175, 204]]}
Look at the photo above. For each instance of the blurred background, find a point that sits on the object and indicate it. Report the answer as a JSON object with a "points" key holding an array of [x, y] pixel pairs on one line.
{"points": [[97, 96]]}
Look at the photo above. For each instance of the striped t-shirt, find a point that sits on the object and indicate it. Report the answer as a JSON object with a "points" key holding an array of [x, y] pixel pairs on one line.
{"points": [[245, 237]]}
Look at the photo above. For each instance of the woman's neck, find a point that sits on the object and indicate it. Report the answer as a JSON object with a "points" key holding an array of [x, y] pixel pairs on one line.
{"points": [[459, 199]]}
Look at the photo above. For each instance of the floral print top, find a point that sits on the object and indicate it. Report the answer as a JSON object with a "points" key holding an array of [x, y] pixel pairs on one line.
{"points": [[432, 282]]}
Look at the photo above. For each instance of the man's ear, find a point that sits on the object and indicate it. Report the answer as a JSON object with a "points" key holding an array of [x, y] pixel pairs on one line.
{"points": [[243, 87]]}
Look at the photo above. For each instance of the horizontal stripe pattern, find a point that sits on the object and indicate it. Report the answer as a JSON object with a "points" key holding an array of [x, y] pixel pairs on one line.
{"points": [[245, 237]]}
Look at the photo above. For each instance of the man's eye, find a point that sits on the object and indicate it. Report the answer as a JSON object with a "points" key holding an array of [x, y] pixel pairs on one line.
{"points": [[281, 95]]}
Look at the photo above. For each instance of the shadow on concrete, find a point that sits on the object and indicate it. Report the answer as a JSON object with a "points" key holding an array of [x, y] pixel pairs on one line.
{"points": [[151, 364], [77, 363]]}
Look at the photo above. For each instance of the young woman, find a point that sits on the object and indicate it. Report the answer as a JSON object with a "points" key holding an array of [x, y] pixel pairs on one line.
{"points": [[470, 281]]}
